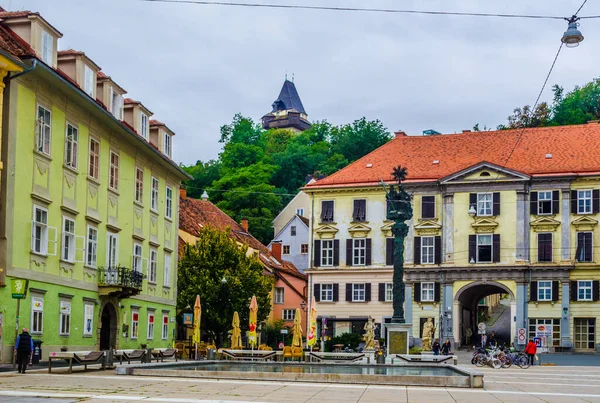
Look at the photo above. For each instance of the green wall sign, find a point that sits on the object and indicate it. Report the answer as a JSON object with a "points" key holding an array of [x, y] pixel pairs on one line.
{"points": [[18, 288]]}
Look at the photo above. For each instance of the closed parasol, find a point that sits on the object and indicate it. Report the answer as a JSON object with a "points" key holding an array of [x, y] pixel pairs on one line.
{"points": [[311, 337], [236, 333], [252, 322], [197, 314], [297, 341]]}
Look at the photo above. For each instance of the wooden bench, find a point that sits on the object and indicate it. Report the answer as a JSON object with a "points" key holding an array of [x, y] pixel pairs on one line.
{"points": [[135, 355], [166, 353], [435, 359], [90, 358]]}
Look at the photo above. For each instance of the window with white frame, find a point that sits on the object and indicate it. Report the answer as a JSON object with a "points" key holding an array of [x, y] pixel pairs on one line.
{"points": [[544, 203], [112, 250], [484, 248], [167, 144], [427, 292], [135, 322], [154, 194], [300, 212], [167, 271], [304, 248], [584, 202], [68, 240], [326, 292], [144, 125], [71, 146], [286, 249], [43, 237], [44, 130], [359, 252], [117, 105], [150, 333], [293, 230], [94, 159], [484, 204], [153, 266], [47, 48], [88, 319], [37, 315], [358, 292], [428, 250], [327, 252], [88, 80], [279, 292], [91, 246], [113, 181], [169, 203], [544, 291], [389, 292], [139, 185], [137, 257], [65, 318], [584, 290], [288, 314], [165, 326]]}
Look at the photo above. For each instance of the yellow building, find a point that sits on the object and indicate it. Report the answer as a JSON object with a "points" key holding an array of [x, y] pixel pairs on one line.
{"points": [[509, 212]]}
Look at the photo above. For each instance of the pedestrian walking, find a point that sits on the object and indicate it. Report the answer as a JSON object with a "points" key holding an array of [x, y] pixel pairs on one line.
{"points": [[23, 350], [436, 347], [484, 340], [492, 340], [446, 347], [530, 350]]}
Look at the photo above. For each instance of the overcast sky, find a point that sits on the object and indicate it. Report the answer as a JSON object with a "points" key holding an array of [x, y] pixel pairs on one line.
{"points": [[196, 66]]}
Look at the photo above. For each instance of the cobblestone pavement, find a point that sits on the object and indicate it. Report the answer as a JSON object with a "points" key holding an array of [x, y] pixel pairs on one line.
{"points": [[536, 384]]}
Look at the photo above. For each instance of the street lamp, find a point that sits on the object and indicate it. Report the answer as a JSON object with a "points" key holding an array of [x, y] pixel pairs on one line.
{"points": [[303, 305], [572, 36]]}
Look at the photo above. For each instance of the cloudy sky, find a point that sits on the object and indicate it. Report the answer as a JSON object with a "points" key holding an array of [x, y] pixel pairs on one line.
{"points": [[196, 66]]}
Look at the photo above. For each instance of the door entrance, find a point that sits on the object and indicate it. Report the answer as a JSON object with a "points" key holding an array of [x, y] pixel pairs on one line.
{"points": [[108, 330], [585, 333]]}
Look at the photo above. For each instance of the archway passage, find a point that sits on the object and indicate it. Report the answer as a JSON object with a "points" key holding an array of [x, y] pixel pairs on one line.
{"points": [[108, 329], [478, 300]]}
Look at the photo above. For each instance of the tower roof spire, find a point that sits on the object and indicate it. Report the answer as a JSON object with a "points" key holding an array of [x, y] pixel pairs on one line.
{"points": [[288, 98]]}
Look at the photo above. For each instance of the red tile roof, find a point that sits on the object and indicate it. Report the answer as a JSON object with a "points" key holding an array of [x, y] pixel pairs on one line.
{"points": [[570, 148], [156, 123], [128, 101], [21, 14], [195, 214], [70, 52], [100, 74], [14, 44]]}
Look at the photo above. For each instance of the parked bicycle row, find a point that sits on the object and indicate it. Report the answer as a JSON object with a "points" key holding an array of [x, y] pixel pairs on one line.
{"points": [[503, 357]]}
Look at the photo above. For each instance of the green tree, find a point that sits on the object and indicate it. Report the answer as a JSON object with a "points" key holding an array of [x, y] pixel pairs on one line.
{"points": [[241, 130], [201, 270], [525, 117], [358, 138], [204, 174], [578, 106]]}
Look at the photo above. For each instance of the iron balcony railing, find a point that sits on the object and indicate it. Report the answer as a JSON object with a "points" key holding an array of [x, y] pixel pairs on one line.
{"points": [[120, 276]]}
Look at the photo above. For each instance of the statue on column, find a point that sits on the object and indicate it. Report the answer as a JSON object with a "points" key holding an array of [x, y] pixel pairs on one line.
{"points": [[428, 334], [399, 210], [369, 334]]}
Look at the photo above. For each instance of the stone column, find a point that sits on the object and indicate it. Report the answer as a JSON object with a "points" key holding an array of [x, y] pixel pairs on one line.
{"points": [[408, 305], [409, 249], [448, 229], [447, 312], [565, 230], [565, 329], [522, 252], [521, 305]]}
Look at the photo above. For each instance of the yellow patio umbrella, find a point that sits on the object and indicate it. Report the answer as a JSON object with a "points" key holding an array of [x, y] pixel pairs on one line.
{"points": [[252, 322], [197, 314], [312, 330], [236, 333], [297, 330]]}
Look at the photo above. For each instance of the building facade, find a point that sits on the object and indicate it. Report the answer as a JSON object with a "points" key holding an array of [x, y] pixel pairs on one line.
{"points": [[293, 239], [483, 224], [89, 206]]}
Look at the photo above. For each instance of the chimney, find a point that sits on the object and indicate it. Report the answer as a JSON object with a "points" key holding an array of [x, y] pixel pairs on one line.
{"points": [[245, 224], [400, 133], [276, 250], [182, 193]]}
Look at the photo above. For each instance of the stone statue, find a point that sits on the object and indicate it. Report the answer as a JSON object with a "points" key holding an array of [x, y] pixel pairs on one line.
{"points": [[399, 210], [468, 334], [369, 334], [428, 333]]}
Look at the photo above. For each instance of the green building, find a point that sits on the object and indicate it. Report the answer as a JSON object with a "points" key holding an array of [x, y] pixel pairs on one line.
{"points": [[88, 202]]}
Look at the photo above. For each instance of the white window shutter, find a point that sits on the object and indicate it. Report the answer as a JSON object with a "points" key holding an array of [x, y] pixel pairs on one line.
{"points": [[79, 249], [33, 235], [52, 241], [145, 265]]}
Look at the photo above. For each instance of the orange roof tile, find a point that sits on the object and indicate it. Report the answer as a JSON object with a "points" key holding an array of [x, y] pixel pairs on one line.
{"points": [[14, 44], [70, 52], [128, 101], [154, 122], [25, 13], [570, 148], [100, 74]]}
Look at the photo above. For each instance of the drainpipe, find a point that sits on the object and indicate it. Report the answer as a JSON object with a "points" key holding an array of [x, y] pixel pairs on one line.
{"points": [[30, 69]]}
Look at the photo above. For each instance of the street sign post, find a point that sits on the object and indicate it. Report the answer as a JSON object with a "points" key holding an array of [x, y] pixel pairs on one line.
{"points": [[521, 336]]}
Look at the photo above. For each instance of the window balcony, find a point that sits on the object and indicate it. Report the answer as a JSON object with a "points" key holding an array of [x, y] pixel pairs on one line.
{"points": [[119, 281]]}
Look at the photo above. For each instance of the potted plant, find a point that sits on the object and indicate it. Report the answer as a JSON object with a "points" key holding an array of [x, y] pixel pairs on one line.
{"points": [[64, 349], [143, 346]]}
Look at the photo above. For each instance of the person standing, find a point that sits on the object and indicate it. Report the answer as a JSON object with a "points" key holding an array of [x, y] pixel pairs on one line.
{"points": [[446, 347], [492, 340], [530, 350], [23, 350], [436, 347], [483, 340]]}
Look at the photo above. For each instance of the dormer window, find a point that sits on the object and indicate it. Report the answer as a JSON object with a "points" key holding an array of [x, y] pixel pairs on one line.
{"points": [[47, 48], [116, 104], [88, 80], [167, 149], [144, 125]]}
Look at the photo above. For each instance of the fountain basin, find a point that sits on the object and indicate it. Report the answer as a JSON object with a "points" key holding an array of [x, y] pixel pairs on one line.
{"points": [[399, 375]]}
